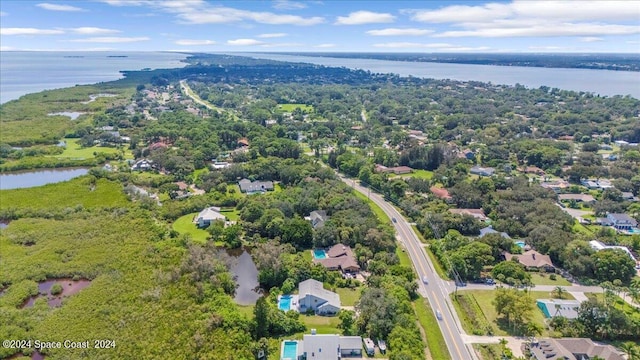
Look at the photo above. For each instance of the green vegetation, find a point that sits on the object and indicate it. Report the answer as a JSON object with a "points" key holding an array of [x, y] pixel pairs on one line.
{"points": [[291, 107], [185, 226], [348, 296], [419, 174], [74, 150], [435, 340], [323, 324], [85, 191], [489, 351], [380, 214], [545, 279]]}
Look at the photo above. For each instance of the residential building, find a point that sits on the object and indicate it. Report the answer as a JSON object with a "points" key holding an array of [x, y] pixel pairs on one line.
{"points": [[597, 246], [556, 185], [254, 187], [476, 213], [555, 307], [313, 296], [142, 165], [440, 193], [572, 349], [322, 347], [398, 170], [489, 230], [208, 216], [340, 257], [482, 171], [532, 260], [585, 198], [628, 196], [621, 221], [318, 218], [531, 170]]}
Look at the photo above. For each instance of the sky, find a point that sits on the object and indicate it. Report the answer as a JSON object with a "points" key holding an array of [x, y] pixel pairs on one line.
{"points": [[322, 26]]}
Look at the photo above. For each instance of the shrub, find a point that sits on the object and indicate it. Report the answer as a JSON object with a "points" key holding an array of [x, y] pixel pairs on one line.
{"points": [[553, 277], [56, 289]]}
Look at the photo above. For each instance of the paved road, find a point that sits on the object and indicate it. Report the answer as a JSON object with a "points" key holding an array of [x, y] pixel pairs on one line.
{"points": [[437, 291]]}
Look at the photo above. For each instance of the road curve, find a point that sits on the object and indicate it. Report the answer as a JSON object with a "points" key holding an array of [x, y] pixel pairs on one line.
{"points": [[437, 291]]}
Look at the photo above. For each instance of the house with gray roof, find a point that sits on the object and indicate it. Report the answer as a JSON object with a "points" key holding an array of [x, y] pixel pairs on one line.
{"points": [[207, 216], [323, 347], [318, 218], [555, 307], [254, 187], [482, 171], [313, 296], [489, 230], [572, 349], [621, 221]]}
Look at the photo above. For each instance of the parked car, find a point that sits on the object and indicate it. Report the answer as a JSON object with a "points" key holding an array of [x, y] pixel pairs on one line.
{"points": [[490, 281]]}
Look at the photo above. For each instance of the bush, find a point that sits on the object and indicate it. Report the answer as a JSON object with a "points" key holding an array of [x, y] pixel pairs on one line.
{"points": [[56, 289], [553, 277]]}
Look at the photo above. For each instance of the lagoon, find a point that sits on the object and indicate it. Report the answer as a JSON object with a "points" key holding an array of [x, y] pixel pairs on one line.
{"points": [[245, 273], [27, 179], [602, 82]]}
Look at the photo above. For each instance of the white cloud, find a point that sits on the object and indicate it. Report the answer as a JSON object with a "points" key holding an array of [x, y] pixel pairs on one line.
{"points": [[288, 5], [364, 17], [271, 45], [7, 48], [126, 2], [435, 47], [591, 39], [522, 18], [30, 31], [550, 48], [325, 45], [58, 7], [188, 42], [93, 31], [399, 32], [112, 39], [244, 42], [272, 35]]}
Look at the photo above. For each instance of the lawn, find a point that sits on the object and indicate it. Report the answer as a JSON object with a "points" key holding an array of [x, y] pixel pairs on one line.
{"points": [[322, 324], [234, 191], [185, 225], [291, 107], [231, 214], [435, 340], [74, 150], [419, 174], [538, 279], [79, 191], [380, 214], [404, 258], [349, 297], [484, 299]]}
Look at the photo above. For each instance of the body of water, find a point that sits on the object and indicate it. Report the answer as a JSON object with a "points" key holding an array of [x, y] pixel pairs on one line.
{"points": [[602, 82], [24, 72], [27, 179], [246, 276]]}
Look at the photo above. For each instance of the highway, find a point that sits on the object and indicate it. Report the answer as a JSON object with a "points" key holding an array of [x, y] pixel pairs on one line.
{"points": [[437, 291]]}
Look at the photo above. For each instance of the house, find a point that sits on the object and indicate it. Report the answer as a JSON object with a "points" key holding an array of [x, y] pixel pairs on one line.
{"points": [[476, 213], [572, 349], [531, 170], [597, 246], [556, 186], [218, 165], [482, 171], [467, 154], [489, 230], [340, 257], [243, 142], [621, 221], [628, 196], [142, 165], [532, 260], [585, 198], [440, 193], [313, 296], [254, 187], [322, 347], [318, 218], [208, 216], [398, 170], [555, 307], [600, 184]]}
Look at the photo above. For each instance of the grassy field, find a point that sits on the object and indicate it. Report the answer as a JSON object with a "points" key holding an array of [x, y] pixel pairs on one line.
{"points": [[538, 279], [70, 193], [428, 321], [380, 214], [484, 299], [323, 324], [185, 225], [489, 351], [404, 257], [349, 297], [291, 107], [231, 214], [74, 150], [418, 174]]}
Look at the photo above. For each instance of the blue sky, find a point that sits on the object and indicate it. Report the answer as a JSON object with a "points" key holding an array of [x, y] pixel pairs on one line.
{"points": [[330, 25]]}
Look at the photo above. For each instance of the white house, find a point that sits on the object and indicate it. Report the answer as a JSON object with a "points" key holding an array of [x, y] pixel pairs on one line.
{"points": [[208, 216], [313, 296]]}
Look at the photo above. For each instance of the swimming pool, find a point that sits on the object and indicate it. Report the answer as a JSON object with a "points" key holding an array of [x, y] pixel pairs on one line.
{"points": [[520, 243], [285, 302], [290, 350], [319, 254], [634, 231]]}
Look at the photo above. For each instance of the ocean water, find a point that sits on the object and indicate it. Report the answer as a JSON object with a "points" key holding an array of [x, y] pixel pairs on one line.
{"points": [[24, 72]]}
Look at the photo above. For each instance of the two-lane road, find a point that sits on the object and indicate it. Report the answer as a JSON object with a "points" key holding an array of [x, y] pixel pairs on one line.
{"points": [[437, 290]]}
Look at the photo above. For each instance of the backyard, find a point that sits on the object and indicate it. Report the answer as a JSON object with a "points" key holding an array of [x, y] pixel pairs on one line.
{"points": [[185, 225]]}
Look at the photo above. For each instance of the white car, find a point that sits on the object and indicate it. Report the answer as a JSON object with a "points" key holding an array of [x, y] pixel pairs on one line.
{"points": [[425, 280]]}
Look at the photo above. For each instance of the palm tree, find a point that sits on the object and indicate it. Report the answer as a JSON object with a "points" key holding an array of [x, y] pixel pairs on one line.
{"points": [[533, 329], [559, 292], [631, 350], [503, 343]]}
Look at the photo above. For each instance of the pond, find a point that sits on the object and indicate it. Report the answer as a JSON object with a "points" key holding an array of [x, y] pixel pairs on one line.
{"points": [[27, 179], [245, 273], [4, 223], [69, 287]]}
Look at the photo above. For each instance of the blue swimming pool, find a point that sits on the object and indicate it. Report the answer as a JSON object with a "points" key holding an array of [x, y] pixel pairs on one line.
{"points": [[634, 231], [285, 302], [319, 254], [542, 306], [520, 243], [290, 350]]}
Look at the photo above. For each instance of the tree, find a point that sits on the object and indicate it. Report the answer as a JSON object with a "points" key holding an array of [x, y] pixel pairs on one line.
{"points": [[611, 264], [511, 272], [632, 351], [261, 318], [559, 292], [297, 232], [378, 310], [347, 322], [516, 306]]}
